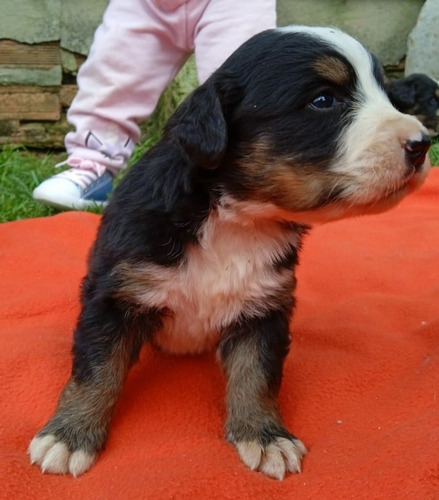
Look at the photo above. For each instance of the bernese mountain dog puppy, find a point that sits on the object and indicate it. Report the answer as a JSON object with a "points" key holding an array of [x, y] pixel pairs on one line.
{"points": [[198, 247], [417, 95]]}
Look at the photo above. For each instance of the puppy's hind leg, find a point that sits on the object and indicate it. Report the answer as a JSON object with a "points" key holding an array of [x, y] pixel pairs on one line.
{"points": [[107, 341], [252, 355]]}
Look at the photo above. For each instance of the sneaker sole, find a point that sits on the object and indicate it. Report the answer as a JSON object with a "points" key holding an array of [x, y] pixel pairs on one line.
{"points": [[68, 203]]}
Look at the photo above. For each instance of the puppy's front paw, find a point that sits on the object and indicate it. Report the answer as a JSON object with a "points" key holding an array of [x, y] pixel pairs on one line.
{"points": [[275, 459], [54, 456]]}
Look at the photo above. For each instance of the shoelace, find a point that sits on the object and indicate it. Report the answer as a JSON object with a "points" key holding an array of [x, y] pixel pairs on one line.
{"points": [[83, 172]]}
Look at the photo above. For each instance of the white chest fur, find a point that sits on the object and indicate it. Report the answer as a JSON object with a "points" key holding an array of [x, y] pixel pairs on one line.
{"points": [[230, 275]]}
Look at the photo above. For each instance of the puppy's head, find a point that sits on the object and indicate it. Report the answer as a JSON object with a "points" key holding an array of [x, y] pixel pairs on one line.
{"points": [[417, 95], [297, 125]]}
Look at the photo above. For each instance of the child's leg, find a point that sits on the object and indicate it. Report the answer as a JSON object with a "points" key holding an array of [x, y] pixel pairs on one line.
{"points": [[137, 51], [224, 26], [134, 56]]}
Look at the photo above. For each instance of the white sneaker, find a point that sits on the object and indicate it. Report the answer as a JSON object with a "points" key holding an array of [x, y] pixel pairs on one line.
{"points": [[77, 188]]}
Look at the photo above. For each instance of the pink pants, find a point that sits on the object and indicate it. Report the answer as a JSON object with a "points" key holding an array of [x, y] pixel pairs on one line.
{"points": [[137, 50]]}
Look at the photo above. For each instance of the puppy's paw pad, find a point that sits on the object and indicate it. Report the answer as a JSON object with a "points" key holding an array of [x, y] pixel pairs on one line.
{"points": [[54, 457], [282, 455]]}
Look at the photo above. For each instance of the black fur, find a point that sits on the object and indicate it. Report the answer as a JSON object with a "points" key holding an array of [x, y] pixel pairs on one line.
{"points": [[261, 132], [156, 213]]}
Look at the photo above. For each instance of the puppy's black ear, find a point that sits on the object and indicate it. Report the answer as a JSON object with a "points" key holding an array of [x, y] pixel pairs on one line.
{"points": [[199, 125], [402, 94]]}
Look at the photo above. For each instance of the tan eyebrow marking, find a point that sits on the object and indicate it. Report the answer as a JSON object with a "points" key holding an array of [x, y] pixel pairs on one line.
{"points": [[333, 69]]}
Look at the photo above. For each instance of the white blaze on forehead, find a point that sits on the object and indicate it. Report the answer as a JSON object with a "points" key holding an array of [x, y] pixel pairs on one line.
{"points": [[354, 52]]}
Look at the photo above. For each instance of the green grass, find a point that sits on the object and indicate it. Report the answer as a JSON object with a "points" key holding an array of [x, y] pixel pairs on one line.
{"points": [[434, 152], [22, 170]]}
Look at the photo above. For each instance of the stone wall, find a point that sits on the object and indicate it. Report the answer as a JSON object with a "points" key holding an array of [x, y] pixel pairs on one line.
{"points": [[43, 43]]}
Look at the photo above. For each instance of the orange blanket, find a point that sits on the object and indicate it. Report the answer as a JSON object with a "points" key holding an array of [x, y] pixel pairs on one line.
{"points": [[361, 384]]}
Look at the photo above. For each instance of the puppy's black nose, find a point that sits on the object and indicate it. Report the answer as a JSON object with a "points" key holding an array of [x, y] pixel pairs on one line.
{"points": [[416, 150]]}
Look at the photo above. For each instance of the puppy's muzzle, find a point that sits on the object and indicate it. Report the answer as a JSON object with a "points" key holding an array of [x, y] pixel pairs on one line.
{"points": [[416, 150]]}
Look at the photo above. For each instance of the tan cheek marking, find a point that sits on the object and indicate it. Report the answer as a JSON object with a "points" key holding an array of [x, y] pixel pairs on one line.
{"points": [[280, 182], [437, 93], [292, 189], [332, 69]]}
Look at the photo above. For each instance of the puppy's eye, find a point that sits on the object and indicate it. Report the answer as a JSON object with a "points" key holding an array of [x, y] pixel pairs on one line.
{"points": [[324, 101]]}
